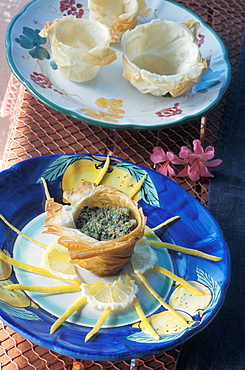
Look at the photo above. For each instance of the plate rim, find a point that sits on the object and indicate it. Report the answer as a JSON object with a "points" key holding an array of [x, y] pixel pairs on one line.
{"points": [[111, 125], [51, 343]]}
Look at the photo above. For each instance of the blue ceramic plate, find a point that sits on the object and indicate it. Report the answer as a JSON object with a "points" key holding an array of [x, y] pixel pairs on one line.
{"points": [[32, 314], [30, 58]]}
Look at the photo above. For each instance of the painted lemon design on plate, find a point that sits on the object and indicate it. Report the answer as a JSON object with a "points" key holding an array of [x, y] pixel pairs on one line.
{"points": [[78, 171], [5, 270], [15, 298], [87, 170], [164, 324], [183, 300]]}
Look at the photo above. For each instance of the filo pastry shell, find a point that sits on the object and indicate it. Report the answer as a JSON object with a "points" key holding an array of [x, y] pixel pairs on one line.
{"points": [[118, 15], [79, 46], [104, 258], [163, 57]]}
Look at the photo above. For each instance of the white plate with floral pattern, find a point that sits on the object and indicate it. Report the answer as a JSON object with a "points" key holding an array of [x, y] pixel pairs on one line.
{"points": [[109, 100]]}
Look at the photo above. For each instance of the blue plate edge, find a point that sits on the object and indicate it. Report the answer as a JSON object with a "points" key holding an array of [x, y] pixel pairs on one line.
{"points": [[50, 344]]}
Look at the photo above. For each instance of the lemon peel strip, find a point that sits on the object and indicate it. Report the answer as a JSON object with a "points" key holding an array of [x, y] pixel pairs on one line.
{"points": [[22, 234], [40, 289], [137, 187], [103, 171], [159, 298], [192, 252], [98, 324], [45, 188], [165, 223], [30, 268], [178, 279], [75, 306], [147, 326]]}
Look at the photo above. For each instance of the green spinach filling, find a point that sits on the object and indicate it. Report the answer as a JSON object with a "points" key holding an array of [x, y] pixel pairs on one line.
{"points": [[106, 223]]}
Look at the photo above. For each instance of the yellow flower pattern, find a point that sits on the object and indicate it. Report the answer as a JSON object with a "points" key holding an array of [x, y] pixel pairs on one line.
{"points": [[110, 110]]}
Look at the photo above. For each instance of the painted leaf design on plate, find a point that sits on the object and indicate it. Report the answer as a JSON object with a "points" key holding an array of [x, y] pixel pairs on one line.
{"points": [[211, 283], [148, 191], [143, 337], [58, 166], [209, 79], [22, 313]]}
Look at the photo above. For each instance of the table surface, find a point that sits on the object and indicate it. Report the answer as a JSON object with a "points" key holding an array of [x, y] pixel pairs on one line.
{"points": [[37, 130]]}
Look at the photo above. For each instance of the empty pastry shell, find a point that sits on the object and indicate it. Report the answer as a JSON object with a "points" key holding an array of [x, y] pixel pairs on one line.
{"points": [[163, 57], [79, 46], [118, 15], [106, 257]]}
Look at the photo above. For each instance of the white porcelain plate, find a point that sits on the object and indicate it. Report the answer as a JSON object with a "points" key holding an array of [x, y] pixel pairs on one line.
{"points": [[30, 58]]}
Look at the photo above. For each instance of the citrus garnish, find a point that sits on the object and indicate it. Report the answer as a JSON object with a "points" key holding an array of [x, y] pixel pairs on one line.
{"points": [[144, 257], [178, 279], [45, 188], [192, 252], [75, 306], [56, 259], [160, 299], [145, 323], [168, 222], [98, 324], [114, 296], [103, 171], [137, 187], [30, 268], [20, 233], [44, 289]]}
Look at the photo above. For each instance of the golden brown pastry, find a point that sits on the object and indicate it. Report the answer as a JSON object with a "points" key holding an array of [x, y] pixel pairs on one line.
{"points": [[105, 257]]}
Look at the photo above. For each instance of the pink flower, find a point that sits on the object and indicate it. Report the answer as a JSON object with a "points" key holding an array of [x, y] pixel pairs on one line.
{"points": [[197, 162], [198, 152], [159, 156]]}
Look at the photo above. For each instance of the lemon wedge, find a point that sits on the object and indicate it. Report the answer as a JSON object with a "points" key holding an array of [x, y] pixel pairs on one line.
{"points": [[144, 257], [56, 259], [114, 296]]}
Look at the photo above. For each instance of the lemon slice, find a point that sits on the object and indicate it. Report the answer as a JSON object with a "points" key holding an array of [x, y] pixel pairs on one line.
{"points": [[144, 257], [114, 296], [56, 259]]}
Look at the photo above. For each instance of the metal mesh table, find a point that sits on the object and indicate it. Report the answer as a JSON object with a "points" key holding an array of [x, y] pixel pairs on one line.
{"points": [[37, 130]]}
